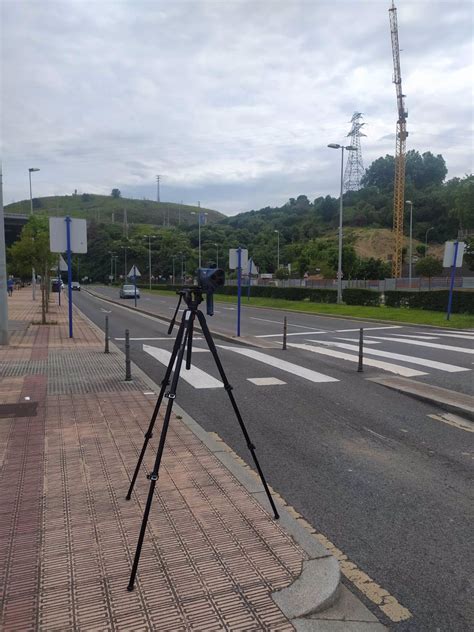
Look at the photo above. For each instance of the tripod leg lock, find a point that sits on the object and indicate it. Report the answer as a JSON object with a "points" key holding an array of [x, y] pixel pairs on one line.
{"points": [[148, 435], [250, 446], [153, 476], [228, 387], [171, 395]]}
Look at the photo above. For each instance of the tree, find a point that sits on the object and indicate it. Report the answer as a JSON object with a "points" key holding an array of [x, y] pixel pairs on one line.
{"points": [[469, 253], [282, 273], [429, 267], [115, 193], [32, 251]]}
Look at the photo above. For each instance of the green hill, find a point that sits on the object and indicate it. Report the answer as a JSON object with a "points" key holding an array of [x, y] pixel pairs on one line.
{"points": [[108, 209]]}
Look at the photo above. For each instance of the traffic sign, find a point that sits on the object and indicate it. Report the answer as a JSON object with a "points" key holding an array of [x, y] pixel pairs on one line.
{"points": [[134, 272], [58, 235], [449, 250], [234, 258]]}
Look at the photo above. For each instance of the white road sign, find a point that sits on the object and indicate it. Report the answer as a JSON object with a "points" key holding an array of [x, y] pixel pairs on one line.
{"points": [[448, 258], [134, 272], [58, 236], [234, 258]]}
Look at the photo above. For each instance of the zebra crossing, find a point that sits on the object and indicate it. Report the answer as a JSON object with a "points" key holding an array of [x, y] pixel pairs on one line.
{"points": [[337, 346]]}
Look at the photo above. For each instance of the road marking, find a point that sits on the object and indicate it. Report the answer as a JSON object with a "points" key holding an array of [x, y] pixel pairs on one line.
{"points": [[340, 331], [195, 377], [354, 340], [460, 336], [433, 364], [265, 381], [431, 345], [106, 311], [280, 322], [386, 366], [294, 333], [420, 337], [455, 420], [164, 338], [231, 309], [283, 365]]}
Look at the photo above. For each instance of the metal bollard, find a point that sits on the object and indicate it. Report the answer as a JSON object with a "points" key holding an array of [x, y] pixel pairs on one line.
{"points": [[106, 335], [128, 373], [360, 368], [285, 327]]}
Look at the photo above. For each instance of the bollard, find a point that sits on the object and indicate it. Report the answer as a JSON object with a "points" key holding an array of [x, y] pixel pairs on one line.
{"points": [[106, 335], [360, 368], [284, 333], [128, 373]]}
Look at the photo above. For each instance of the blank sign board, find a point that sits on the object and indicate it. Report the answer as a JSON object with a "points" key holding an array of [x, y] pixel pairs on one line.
{"points": [[449, 249], [233, 258], [58, 236]]}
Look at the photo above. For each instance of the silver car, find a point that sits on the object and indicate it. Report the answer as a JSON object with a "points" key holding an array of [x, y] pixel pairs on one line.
{"points": [[128, 291]]}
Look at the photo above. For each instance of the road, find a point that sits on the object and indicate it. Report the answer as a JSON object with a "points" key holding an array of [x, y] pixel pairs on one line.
{"points": [[369, 468]]}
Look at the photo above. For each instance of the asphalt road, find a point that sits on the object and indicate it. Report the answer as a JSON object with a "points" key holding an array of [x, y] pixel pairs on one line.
{"points": [[368, 468]]}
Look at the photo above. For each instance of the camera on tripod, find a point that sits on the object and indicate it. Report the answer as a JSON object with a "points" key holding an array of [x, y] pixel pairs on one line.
{"points": [[208, 280]]}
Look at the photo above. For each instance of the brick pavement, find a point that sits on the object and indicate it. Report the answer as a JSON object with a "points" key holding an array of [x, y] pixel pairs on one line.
{"points": [[212, 556]]}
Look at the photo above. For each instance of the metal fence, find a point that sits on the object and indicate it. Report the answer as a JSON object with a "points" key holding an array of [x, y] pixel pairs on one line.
{"points": [[416, 284]]}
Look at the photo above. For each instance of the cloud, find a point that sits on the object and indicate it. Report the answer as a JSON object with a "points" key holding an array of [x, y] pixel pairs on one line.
{"points": [[233, 102]]}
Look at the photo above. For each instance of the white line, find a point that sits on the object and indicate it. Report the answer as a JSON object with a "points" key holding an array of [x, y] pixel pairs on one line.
{"points": [[433, 364], [354, 340], [294, 333], [164, 338], [430, 345], [340, 331], [386, 366], [195, 377], [420, 337], [280, 322], [460, 336], [283, 365], [265, 381]]}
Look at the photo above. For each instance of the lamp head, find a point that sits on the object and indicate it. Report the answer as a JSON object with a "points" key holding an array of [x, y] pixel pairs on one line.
{"points": [[33, 169], [334, 146]]}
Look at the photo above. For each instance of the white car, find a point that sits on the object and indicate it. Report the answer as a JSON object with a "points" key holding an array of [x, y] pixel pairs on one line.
{"points": [[75, 285], [128, 291]]}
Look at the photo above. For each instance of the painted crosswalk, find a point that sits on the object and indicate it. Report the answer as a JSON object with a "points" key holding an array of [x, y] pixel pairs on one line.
{"points": [[194, 376], [420, 343]]}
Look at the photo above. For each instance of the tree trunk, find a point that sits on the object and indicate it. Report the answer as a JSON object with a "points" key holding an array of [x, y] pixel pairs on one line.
{"points": [[46, 276], [43, 301]]}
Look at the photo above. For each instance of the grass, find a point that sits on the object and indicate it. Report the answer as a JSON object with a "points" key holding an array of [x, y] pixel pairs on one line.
{"points": [[409, 316]]}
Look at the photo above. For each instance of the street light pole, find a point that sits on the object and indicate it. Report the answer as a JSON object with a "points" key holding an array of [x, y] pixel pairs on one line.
{"points": [[278, 248], [3, 273], [410, 244], [217, 254], [200, 215], [33, 274], [426, 239], [339, 257]]}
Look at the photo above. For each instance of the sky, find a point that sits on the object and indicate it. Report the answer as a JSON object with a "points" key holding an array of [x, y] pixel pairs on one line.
{"points": [[232, 102]]}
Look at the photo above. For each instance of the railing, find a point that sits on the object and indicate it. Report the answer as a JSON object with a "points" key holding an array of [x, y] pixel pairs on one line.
{"points": [[416, 284]]}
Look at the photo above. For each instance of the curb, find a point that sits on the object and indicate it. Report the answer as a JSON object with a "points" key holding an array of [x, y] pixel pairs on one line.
{"points": [[241, 340], [302, 596]]}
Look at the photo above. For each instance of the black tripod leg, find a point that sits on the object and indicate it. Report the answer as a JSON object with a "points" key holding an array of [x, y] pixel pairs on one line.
{"points": [[156, 468], [228, 388], [164, 384], [190, 342]]}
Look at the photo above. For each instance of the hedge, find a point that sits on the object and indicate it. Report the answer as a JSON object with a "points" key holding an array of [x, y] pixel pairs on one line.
{"points": [[359, 296], [436, 300]]}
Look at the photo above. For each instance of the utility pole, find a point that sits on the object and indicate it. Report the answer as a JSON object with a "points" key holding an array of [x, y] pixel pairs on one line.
{"points": [[158, 188], [3, 273]]}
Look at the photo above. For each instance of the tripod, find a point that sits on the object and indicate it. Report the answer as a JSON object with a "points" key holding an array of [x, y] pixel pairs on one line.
{"points": [[183, 344]]}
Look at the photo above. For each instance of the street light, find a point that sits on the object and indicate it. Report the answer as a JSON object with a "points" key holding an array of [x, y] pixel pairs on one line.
{"points": [[124, 248], [149, 256], [30, 171], [33, 273], [217, 254], [426, 239], [339, 258], [200, 215], [278, 248], [410, 244]]}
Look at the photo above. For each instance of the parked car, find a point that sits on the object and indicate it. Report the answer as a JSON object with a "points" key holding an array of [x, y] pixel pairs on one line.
{"points": [[56, 285], [128, 291], [75, 285]]}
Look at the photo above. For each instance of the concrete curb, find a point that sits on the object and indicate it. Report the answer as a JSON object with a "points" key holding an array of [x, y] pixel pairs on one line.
{"points": [[317, 587], [452, 401], [222, 335]]}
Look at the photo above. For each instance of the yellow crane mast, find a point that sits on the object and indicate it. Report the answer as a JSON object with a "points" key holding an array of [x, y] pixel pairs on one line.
{"points": [[400, 149]]}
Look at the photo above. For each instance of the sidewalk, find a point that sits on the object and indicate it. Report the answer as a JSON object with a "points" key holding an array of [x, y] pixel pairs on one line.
{"points": [[70, 432]]}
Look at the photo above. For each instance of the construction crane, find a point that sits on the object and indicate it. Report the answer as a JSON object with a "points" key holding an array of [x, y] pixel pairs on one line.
{"points": [[400, 149]]}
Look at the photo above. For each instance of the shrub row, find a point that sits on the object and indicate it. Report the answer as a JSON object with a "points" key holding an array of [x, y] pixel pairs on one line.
{"points": [[359, 296], [436, 300]]}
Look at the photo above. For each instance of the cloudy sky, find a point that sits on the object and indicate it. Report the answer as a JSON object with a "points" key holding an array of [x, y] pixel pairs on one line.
{"points": [[233, 102]]}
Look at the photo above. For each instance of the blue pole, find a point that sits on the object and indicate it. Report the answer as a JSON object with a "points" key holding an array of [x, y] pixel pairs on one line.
{"points": [[239, 286], [135, 284], [69, 272], [250, 279], [59, 281], [453, 274]]}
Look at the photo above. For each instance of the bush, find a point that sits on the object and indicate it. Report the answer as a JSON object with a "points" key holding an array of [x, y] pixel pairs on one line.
{"points": [[436, 300], [357, 296]]}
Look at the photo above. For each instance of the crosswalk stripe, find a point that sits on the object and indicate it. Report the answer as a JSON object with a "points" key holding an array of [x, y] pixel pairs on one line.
{"points": [[293, 333], [418, 337], [283, 365], [340, 331], [386, 366], [366, 342], [279, 322], [195, 377], [460, 336], [433, 364], [431, 345]]}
